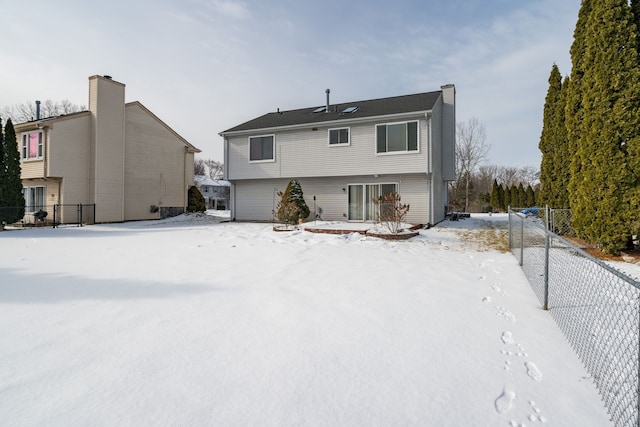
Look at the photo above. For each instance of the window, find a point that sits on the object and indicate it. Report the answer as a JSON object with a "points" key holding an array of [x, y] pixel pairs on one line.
{"points": [[261, 148], [32, 145], [397, 137], [33, 198], [339, 136]]}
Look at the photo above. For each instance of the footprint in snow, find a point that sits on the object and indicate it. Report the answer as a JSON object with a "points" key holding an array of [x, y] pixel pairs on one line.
{"points": [[486, 300], [504, 402], [506, 314], [533, 371], [536, 414], [506, 337]]}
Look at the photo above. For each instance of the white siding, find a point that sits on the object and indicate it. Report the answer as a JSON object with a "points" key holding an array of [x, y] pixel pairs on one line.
{"points": [[255, 200], [306, 153], [106, 103], [155, 165], [68, 157]]}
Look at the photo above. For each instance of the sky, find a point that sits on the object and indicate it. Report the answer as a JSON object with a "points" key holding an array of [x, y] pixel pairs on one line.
{"points": [[320, 330], [204, 66]]}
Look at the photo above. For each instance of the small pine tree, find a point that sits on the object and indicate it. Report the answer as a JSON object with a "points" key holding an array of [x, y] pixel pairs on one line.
{"points": [[196, 200], [292, 207], [11, 197]]}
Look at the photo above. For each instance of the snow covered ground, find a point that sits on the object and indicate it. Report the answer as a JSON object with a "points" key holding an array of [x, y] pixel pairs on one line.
{"points": [[193, 322]]}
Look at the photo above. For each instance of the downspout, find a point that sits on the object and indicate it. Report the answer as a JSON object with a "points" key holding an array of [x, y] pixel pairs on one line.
{"points": [[431, 219], [232, 189]]}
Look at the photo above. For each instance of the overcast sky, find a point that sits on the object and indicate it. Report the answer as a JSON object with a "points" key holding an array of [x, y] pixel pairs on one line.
{"points": [[204, 66]]}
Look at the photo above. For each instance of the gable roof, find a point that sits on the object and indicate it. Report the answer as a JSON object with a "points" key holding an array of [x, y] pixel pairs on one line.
{"points": [[368, 108], [189, 146]]}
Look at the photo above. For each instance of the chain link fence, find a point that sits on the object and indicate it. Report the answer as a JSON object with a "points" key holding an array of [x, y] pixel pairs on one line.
{"points": [[596, 307]]}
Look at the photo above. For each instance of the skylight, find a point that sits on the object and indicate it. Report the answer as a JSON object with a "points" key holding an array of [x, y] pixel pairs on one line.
{"points": [[320, 110], [350, 110]]}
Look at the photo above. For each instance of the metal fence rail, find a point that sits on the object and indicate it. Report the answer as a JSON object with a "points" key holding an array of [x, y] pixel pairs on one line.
{"points": [[53, 215], [596, 307]]}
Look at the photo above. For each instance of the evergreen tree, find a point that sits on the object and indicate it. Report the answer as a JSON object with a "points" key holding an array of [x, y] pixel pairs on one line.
{"points": [[530, 197], [635, 11], [554, 168], [11, 197], [196, 202], [292, 206], [495, 196], [574, 108], [502, 198], [605, 201], [563, 154], [522, 196]]}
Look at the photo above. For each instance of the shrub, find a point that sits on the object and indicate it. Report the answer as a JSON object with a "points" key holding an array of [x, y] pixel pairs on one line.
{"points": [[196, 202], [391, 213], [292, 207]]}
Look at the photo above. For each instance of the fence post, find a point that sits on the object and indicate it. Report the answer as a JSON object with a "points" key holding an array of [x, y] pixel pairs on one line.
{"points": [[521, 241], [79, 215], [547, 217], [546, 270], [55, 208], [510, 229]]}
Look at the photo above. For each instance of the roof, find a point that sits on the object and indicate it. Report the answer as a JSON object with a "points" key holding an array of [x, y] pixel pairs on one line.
{"points": [[206, 180], [368, 108]]}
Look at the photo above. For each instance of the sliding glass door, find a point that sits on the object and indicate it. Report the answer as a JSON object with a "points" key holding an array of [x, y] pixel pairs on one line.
{"points": [[361, 196]]}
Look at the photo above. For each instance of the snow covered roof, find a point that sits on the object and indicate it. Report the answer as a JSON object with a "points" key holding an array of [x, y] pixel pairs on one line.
{"points": [[206, 180]]}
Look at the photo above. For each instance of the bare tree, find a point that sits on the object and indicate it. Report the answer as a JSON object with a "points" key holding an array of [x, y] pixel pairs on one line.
{"points": [[199, 167], [471, 150], [21, 113], [211, 168], [216, 169]]}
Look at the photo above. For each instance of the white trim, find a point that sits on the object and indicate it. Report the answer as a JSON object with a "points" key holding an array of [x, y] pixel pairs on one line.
{"points": [[40, 145], [340, 144], [273, 142], [364, 192], [391, 153]]}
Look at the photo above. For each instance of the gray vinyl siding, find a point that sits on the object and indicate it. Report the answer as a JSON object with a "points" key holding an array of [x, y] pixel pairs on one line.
{"points": [[307, 153], [255, 200]]}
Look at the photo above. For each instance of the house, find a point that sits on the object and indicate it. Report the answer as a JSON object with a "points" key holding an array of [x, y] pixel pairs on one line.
{"points": [[345, 156], [117, 156], [215, 191]]}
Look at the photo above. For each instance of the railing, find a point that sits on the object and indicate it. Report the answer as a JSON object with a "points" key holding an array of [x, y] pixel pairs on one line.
{"points": [[49, 215], [596, 307]]}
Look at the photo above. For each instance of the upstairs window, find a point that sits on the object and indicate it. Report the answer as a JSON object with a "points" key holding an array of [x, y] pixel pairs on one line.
{"points": [[397, 137], [339, 136], [262, 148], [32, 145]]}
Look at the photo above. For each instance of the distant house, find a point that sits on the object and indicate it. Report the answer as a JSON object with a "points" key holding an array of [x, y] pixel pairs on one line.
{"points": [[345, 155], [215, 191], [117, 156]]}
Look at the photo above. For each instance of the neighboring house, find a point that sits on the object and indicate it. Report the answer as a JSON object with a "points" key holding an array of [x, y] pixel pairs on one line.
{"points": [[345, 155], [118, 156], [215, 191]]}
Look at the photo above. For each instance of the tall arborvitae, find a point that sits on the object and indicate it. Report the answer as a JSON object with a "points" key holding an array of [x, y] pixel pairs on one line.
{"points": [[604, 199], [550, 165], [563, 154], [494, 200], [635, 11], [530, 196], [574, 108], [11, 182]]}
